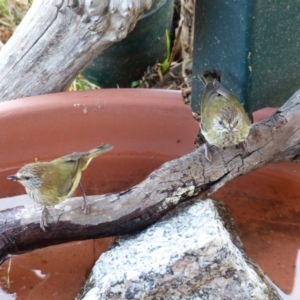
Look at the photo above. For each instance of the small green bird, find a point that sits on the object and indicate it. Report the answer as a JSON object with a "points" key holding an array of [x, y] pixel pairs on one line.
{"points": [[224, 122], [49, 183]]}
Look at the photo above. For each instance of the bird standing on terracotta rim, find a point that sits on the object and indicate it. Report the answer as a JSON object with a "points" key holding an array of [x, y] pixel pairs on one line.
{"points": [[224, 122], [49, 183]]}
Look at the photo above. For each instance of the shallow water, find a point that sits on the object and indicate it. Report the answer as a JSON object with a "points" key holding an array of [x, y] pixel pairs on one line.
{"points": [[265, 205]]}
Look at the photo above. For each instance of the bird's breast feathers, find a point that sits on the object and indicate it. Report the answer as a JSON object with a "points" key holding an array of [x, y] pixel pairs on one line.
{"points": [[225, 139]]}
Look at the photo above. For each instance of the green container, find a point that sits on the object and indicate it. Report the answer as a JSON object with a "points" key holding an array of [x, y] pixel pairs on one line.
{"points": [[127, 60], [255, 44]]}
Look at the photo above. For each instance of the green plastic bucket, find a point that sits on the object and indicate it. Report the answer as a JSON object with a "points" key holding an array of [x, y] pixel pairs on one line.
{"points": [[127, 60]]}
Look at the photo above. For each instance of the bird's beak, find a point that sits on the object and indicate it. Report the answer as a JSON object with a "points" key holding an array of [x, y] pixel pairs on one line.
{"points": [[13, 177]]}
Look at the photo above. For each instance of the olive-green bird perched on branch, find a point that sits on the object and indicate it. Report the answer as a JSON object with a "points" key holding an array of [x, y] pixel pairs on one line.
{"points": [[49, 183], [224, 122]]}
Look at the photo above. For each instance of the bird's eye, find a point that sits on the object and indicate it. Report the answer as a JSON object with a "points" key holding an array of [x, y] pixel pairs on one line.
{"points": [[220, 122], [26, 177]]}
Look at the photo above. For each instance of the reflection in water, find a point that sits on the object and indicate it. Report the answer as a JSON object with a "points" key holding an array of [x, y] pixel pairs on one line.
{"points": [[39, 274], [10, 202], [5, 296], [5, 282], [55, 272], [265, 205], [295, 294]]}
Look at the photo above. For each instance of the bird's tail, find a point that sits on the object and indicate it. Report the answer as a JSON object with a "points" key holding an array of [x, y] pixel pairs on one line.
{"points": [[86, 157], [208, 76], [99, 150]]}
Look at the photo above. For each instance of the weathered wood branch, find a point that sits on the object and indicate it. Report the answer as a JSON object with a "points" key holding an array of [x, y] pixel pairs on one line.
{"points": [[274, 139], [58, 38]]}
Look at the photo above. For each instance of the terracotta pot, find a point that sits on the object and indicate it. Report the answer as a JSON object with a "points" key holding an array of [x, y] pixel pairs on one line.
{"points": [[147, 128]]}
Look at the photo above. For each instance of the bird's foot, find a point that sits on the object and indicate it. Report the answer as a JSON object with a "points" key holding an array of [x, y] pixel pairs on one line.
{"points": [[207, 152], [43, 219], [85, 207], [244, 145]]}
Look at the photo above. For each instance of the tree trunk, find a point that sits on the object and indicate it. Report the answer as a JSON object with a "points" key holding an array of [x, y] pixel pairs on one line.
{"points": [[272, 140], [58, 38]]}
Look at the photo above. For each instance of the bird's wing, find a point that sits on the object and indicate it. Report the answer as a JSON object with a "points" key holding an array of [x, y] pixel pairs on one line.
{"points": [[225, 92], [229, 95], [210, 93], [65, 188], [72, 157], [70, 168]]}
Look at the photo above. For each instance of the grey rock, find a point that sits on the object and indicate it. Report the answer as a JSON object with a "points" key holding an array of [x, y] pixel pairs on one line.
{"points": [[192, 253]]}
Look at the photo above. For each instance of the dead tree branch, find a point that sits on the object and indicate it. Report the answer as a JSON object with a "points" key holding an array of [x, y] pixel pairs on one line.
{"points": [[58, 38], [272, 140]]}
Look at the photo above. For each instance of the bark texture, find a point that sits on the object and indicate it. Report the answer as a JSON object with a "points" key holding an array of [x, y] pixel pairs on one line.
{"points": [[58, 38], [272, 140]]}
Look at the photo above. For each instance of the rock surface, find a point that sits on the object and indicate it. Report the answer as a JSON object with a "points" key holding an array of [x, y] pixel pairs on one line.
{"points": [[192, 253]]}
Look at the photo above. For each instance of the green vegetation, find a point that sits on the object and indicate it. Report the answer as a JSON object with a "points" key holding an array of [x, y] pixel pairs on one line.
{"points": [[12, 12], [135, 83], [166, 63], [81, 83]]}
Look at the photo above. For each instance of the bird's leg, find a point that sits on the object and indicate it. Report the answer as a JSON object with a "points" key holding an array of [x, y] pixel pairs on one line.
{"points": [[43, 221], [85, 206], [207, 152], [244, 145]]}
